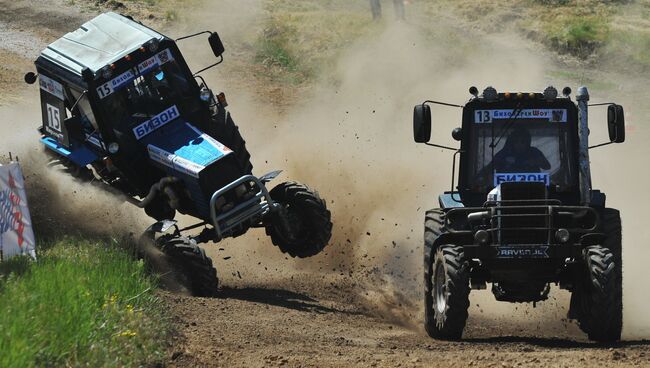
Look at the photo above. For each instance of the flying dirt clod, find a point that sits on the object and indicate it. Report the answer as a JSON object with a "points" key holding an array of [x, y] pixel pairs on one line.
{"points": [[542, 222], [121, 107]]}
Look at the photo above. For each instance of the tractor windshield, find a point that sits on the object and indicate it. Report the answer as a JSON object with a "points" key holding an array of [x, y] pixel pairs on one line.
{"points": [[521, 145], [155, 86]]}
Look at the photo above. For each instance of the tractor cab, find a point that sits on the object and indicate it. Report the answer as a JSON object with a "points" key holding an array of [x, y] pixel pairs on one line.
{"points": [[119, 99], [516, 138], [525, 139]]}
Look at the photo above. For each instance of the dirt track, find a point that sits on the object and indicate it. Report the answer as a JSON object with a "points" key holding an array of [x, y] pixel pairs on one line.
{"points": [[267, 325], [356, 309]]}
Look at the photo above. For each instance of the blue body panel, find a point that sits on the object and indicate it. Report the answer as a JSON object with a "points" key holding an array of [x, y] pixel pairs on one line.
{"points": [[186, 142], [183, 151], [447, 201], [80, 155]]}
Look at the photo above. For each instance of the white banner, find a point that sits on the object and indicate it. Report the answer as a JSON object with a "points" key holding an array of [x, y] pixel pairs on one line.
{"points": [[16, 233]]}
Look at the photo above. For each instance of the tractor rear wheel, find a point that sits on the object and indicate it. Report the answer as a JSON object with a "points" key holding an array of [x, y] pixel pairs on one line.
{"points": [[302, 226], [224, 129]]}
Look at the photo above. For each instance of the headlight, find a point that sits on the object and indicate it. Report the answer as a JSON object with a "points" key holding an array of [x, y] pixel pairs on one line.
{"points": [[113, 148], [206, 94], [152, 45], [482, 237], [106, 72], [562, 235], [550, 93], [490, 94]]}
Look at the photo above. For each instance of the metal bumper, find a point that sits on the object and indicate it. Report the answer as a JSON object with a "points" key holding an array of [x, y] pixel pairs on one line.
{"points": [[258, 205]]}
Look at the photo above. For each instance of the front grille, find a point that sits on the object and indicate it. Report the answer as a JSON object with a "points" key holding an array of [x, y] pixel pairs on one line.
{"points": [[521, 224], [518, 218]]}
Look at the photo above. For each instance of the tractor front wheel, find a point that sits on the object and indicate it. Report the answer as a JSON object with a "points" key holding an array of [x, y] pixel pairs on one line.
{"points": [[183, 265], [301, 226], [600, 296], [448, 293]]}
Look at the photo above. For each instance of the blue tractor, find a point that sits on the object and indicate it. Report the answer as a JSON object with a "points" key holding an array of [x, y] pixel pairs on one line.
{"points": [[121, 107], [524, 213]]}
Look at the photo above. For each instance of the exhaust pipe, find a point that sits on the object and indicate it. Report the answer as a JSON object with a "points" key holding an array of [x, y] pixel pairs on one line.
{"points": [[583, 154]]}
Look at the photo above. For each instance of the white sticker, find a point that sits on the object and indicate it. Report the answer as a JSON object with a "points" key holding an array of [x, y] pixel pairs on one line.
{"points": [[551, 115], [172, 161], [111, 86], [187, 166], [51, 86], [521, 177], [156, 60], [147, 64], [156, 122], [215, 143], [161, 156], [53, 118]]}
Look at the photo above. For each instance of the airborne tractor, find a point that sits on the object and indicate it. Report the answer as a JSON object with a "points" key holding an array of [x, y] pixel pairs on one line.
{"points": [[121, 107], [524, 213]]}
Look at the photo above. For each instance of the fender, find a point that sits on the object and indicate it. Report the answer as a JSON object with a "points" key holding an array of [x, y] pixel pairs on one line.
{"points": [[161, 226]]}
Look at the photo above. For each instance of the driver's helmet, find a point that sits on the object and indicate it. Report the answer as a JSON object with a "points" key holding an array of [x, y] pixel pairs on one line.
{"points": [[519, 140]]}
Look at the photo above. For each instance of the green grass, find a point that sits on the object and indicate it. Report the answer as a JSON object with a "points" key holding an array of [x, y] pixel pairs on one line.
{"points": [[301, 40], [83, 303], [578, 27]]}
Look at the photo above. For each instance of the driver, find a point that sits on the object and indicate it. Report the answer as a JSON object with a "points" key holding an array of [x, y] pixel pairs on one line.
{"points": [[518, 156]]}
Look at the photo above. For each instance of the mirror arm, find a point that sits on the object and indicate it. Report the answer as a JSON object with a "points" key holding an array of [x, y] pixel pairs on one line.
{"points": [[192, 35], [441, 103], [439, 146], [79, 99], [208, 67], [201, 79], [600, 145], [603, 104]]}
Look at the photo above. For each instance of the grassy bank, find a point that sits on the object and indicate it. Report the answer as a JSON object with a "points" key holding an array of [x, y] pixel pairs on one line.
{"points": [[612, 31], [83, 303], [301, 40]]}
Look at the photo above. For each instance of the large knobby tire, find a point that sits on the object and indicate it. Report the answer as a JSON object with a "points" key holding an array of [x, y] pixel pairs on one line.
{"points": [[309, 222], [198, 271], [182, 265], [611, 227], [449, 293], [446, 282], [434, 226], [600, 296], [226, 131]]}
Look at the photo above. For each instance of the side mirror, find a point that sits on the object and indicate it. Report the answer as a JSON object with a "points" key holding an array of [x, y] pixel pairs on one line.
{"points": [[422, 123], [30, 78], [216, 44], [616, 123], [457, 134]]}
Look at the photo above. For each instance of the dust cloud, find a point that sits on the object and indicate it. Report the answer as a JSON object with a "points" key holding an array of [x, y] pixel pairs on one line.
{"points": [[58, 203], [351, 140], [349, 137]]}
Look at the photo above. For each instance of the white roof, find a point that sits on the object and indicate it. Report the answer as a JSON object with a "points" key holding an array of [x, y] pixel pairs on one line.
{"points": [[98, 42]]}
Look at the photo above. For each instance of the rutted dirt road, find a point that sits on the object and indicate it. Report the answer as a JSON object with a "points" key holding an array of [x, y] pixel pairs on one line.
{"points": [[359, 303]]}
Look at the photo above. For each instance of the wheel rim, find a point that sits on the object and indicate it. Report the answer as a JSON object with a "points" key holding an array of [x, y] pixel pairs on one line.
{"points": [[440, 288]]}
